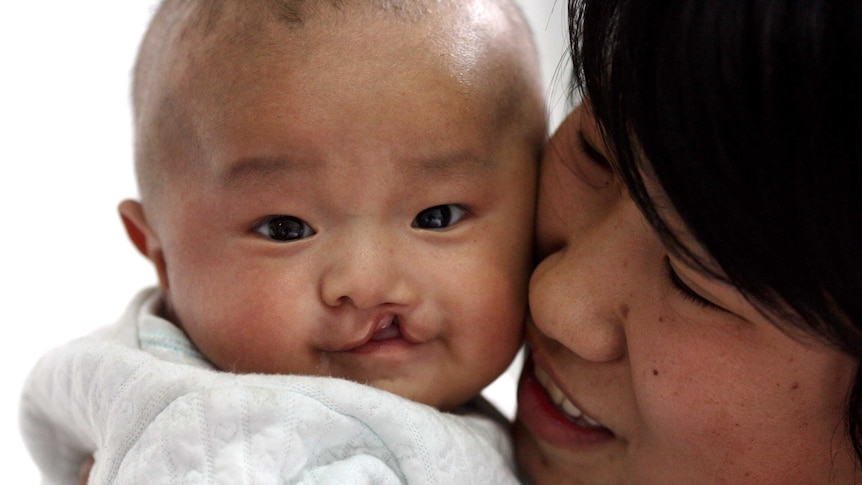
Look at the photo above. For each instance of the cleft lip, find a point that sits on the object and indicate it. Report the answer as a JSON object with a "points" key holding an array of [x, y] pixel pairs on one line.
{"points": [[392, 330], [384, 326]]}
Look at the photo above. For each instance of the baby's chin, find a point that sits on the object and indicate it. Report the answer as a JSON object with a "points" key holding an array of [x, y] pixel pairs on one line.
{"points": [[441, 387], [429, 393], [424, 372]]}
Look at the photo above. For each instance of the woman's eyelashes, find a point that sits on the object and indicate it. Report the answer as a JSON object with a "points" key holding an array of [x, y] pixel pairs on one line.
{"points": [[593, 154], [439, 217], [587, 163], [283, 228], [685, 291]]}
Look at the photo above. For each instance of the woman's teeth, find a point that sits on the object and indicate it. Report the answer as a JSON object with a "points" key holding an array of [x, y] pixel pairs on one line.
{"points": [[565, 406]]}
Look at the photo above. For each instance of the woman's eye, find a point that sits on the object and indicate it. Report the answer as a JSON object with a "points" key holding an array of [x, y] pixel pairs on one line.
{"points": [[588, 163], [685, 291], [283, 228], [439, 216]]}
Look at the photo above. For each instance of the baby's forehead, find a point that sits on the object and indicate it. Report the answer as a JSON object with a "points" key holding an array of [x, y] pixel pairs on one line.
{"points": [[220, 55], [219, 46], [258, 25], [240, 20]]}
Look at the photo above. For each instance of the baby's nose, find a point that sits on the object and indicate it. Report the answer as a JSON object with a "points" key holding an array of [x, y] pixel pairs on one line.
{"points": [[365, 274]]}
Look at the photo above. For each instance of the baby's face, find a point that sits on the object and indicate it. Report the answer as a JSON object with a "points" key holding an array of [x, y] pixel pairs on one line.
{"points": [[354, 211]]}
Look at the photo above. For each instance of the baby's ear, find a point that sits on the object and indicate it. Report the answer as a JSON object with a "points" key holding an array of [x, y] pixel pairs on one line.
{"points": [[143, 237]]}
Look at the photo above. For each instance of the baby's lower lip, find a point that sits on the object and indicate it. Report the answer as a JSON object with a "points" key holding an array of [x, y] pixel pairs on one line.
{"points": [[386, 340], [540, 415]]}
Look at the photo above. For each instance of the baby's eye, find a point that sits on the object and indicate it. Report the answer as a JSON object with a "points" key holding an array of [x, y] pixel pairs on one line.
{"points": [[283, 228], [439, 216]]}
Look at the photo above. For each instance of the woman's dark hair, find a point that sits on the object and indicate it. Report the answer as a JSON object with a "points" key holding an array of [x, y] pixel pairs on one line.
{"points": [[749, 115]]}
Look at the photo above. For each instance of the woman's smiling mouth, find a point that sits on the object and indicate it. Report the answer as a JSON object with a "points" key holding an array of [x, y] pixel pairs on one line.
{"points": [[551, 416], [562, 403]]}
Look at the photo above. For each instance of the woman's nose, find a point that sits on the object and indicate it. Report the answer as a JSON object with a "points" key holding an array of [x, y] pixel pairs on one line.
{"points": [[581, 295], [364, 271]]}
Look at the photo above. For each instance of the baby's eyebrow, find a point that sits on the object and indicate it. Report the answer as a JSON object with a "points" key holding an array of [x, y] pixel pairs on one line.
{"points": [[254, 168], [460, 163]]}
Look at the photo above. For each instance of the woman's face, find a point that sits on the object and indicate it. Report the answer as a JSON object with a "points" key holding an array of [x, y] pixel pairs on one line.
{"points": [[644, 371]]}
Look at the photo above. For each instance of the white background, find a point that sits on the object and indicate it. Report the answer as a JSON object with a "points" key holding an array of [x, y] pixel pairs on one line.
{"points": [[65, 163]]}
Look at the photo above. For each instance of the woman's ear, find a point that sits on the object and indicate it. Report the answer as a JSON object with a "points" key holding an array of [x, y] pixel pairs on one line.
{"points": [[143, 237]]}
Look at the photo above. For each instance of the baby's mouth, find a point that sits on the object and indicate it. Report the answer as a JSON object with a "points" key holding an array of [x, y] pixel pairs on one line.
{"points": [[562, 403], [386, 332], [391, 330]]}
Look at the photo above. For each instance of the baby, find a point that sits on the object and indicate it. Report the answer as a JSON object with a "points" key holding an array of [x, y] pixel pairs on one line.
{"points": [[334, 188]]}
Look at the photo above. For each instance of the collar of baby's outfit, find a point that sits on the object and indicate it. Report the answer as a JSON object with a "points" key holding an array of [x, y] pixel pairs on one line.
{"points": [[162, 338]]}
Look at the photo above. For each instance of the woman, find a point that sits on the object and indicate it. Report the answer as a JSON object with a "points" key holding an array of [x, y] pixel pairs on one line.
{"points": [[697, 313]]}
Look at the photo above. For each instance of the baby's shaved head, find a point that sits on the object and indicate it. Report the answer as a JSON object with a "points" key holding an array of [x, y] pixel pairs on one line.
{"points": [[188, 63]]}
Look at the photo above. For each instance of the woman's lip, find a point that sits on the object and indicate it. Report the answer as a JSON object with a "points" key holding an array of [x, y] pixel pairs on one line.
{"points": [[545, 374], [538, 413], [572, 411]]}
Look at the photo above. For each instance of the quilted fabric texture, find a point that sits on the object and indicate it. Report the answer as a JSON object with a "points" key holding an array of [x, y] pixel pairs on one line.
{"points": [[162, 416], [151, 421]]}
